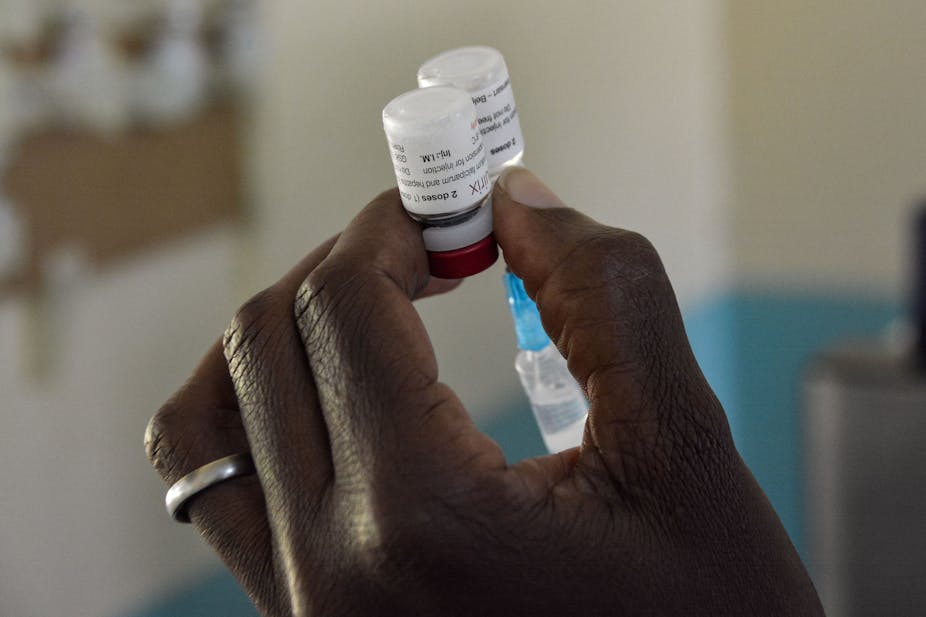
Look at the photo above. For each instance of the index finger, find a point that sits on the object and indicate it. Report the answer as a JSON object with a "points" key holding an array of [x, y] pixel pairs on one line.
{"points": [[373, 363]]}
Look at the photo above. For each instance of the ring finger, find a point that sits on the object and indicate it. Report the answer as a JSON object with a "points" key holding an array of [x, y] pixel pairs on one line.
{"points": [[203, 423]]}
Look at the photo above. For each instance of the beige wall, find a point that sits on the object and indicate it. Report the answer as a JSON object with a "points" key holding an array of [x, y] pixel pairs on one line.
{"points": [[622, 105], [83, 531], [829, 102]]}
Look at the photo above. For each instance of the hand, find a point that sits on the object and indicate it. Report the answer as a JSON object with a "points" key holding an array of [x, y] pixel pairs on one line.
{"points": [[376, 494]]}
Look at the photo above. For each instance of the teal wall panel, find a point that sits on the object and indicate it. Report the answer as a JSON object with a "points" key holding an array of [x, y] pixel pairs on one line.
{"points": [[775, 335], [217, 595]]}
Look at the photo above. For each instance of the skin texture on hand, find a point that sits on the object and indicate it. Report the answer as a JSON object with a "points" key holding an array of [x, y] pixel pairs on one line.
{"points": [[376, 494]]}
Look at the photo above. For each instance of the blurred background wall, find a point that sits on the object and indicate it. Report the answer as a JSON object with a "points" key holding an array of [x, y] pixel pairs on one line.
{"points": [[768, 150], [828, 141], [827, 155]]}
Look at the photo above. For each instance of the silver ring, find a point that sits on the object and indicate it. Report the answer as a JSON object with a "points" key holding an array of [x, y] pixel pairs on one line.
{"points": [[199, 480]]}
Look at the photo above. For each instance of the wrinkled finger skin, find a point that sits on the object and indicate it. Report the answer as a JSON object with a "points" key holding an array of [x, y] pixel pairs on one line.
{"points": [[202, 422], [411, 510]]}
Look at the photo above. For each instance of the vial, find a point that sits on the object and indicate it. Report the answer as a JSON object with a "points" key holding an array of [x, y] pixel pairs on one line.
{"points": [[443, 176], [483, 74], [557, 401]]}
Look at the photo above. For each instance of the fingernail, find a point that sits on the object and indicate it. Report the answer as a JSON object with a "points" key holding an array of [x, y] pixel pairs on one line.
{"points": [[526, 188]]}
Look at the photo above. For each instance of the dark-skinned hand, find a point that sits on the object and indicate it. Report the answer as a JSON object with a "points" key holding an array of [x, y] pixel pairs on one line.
{"points": [[376, 495]]}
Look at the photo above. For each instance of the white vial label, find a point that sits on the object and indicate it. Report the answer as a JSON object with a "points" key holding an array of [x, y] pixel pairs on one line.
{"points": [[499, 123], [481, 71], [443, 172]]}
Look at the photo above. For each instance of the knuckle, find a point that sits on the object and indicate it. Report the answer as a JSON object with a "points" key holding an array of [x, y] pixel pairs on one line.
{"points": [[163, 440], [249, 322], [628, 274], [333, 316], [643, 248], [632, 255], [187, 432], [607, 258], [612, 298], [327, 292], [648, 264]]}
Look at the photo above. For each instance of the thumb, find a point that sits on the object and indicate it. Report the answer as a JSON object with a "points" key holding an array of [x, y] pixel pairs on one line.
{"points": [[606, 301]]}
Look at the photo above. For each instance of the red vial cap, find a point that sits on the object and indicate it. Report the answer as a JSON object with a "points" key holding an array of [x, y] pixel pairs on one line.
{"points": [[464, 262]]}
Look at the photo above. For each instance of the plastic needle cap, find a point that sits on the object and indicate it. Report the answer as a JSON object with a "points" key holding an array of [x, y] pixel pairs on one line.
{"points": [[527, 324]]}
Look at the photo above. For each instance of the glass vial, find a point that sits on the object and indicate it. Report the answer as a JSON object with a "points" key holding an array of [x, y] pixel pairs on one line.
{"points": [[443, 176], [483, 74], [556, 399]]}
